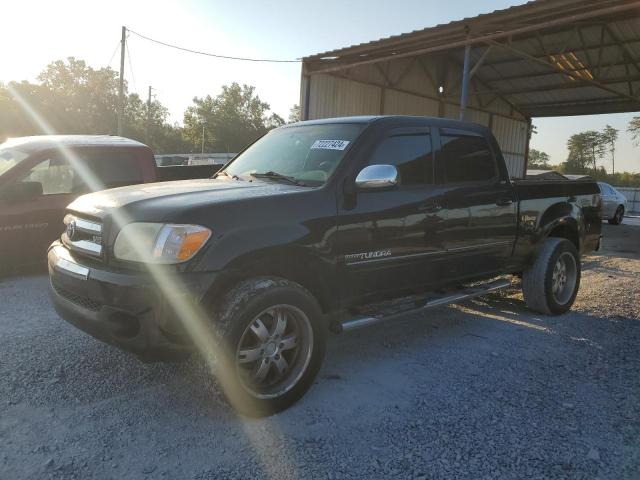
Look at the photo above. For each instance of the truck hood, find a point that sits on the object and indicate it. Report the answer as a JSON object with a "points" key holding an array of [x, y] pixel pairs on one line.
{"points": [[177, 195]]}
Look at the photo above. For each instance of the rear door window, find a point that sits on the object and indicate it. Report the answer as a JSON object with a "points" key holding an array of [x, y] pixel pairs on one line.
{"points": [[465, 158], [411, 154]]}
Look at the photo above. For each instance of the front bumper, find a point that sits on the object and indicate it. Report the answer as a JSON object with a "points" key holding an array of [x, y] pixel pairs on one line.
{"points": [[127, 310]]}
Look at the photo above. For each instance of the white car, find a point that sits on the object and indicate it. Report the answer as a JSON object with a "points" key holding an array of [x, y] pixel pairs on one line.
{"points": [[614, 204]]}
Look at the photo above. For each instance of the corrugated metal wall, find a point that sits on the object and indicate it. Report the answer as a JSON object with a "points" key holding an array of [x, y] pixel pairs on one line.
{"points": [[401, 103], [633, 198], [337, 97], [414, 92], [512, 138]]}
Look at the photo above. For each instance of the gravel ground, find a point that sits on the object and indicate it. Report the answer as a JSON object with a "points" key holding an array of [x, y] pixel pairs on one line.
{"points": [[481, 390]]}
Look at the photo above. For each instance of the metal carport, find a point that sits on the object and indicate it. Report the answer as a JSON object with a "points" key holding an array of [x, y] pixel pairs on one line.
{"points": [[544, 58]]}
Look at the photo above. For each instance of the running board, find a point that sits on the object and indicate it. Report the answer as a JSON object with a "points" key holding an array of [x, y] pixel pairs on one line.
{"points": [[471, 292]]}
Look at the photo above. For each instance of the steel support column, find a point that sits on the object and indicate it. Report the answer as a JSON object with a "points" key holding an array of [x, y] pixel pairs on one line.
{"points": [[307, 95], [466, 78], [527, 147]]}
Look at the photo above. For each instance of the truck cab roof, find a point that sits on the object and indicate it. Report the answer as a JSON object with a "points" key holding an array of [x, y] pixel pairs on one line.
{"points": [[404, 119], [42, 142]]}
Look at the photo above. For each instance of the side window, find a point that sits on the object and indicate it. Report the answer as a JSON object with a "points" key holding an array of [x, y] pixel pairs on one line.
{"points": [[465, 159], [54, 174], [411, 154]]}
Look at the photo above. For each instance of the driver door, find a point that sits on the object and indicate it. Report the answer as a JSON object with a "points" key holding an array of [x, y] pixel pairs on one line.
{"points": [[389, 240], [28, 225]]}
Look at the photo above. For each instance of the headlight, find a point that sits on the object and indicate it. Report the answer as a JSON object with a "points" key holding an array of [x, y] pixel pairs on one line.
{"points": [[159, 242]]}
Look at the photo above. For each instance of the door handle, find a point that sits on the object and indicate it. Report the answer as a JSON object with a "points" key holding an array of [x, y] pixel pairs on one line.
{"points": [[504, 202], [430, 207]]}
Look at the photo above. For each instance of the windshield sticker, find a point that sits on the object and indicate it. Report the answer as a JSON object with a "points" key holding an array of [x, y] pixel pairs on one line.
{"points": [[329, 144]]}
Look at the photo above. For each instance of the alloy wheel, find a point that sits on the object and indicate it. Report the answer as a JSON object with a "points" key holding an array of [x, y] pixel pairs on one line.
{"points": [[564, 278], [274, 351]]}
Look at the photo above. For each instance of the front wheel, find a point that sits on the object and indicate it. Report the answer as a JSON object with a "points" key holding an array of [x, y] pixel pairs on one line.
{"points": [[551, 284], [272, 340]]}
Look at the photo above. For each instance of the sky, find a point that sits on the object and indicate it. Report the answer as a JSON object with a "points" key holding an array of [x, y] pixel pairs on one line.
{"points": [[43, 31]]}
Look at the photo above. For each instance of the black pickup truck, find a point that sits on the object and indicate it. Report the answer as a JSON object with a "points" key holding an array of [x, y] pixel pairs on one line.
{"points": [[321, 225]]}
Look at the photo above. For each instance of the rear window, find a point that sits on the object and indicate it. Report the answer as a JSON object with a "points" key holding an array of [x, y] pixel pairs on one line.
{"points": [[606, 189], [110, 169], [465, 158]]}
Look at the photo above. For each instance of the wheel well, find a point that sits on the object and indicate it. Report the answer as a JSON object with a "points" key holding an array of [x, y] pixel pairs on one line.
{"points": [[299, 271], [566, 231]]}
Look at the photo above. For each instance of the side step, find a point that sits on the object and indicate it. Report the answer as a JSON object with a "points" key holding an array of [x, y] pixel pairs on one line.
{"points": [[464, 294]]}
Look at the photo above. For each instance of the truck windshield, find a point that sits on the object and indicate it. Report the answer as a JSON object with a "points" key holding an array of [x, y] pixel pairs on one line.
{"points": [[305, 154], [9, 158]]}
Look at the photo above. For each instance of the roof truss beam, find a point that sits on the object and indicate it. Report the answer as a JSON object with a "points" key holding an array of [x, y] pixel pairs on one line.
{"points": [[564, 20], [566, 48], [556, 86], [549, 73], [483, 85], [623, 47], [570, 73]]}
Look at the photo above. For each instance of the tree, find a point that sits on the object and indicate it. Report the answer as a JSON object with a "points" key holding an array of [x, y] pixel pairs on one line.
{"points": [[232, 120], [78, 98], [634, 130], [295, 114], [538, 159], [75, 98], [609, 138], [274, 121], [596, 145], [578, 158]]}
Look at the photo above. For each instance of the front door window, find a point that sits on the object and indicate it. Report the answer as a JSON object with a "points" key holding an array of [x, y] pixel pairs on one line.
{"points": [[54, 174]]}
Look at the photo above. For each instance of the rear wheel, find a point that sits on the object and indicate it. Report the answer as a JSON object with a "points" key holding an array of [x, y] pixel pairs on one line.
{"points": [[273, 338], [618, 216], [551, 284]]}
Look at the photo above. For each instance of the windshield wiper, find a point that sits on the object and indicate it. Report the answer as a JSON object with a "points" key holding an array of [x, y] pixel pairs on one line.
{"points": [[278, 176]]}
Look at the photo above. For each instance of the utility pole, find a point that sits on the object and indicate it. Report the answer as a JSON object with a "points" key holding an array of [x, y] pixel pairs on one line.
{"points": [[121, 87], [148, 136]]}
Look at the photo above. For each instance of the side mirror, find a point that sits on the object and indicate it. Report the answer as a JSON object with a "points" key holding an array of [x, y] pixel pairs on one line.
{"points": [[377, 177], [22, 191]]}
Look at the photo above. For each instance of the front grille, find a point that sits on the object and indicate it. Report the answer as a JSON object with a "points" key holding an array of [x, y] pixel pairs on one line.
{"points": [[83, 236], [80, 300]]}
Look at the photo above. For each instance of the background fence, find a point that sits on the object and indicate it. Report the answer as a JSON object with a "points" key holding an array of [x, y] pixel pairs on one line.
{"points": [[175, 159], [633, 198]]}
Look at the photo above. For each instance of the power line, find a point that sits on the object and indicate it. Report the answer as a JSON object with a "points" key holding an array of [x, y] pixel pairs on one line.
{"points": [[133, 77], [113, 54], [227, 57]]}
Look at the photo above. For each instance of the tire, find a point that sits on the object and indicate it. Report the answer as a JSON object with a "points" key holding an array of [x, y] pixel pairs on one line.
{"points": [[618, 216], [247, 323], [538, 280]]}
